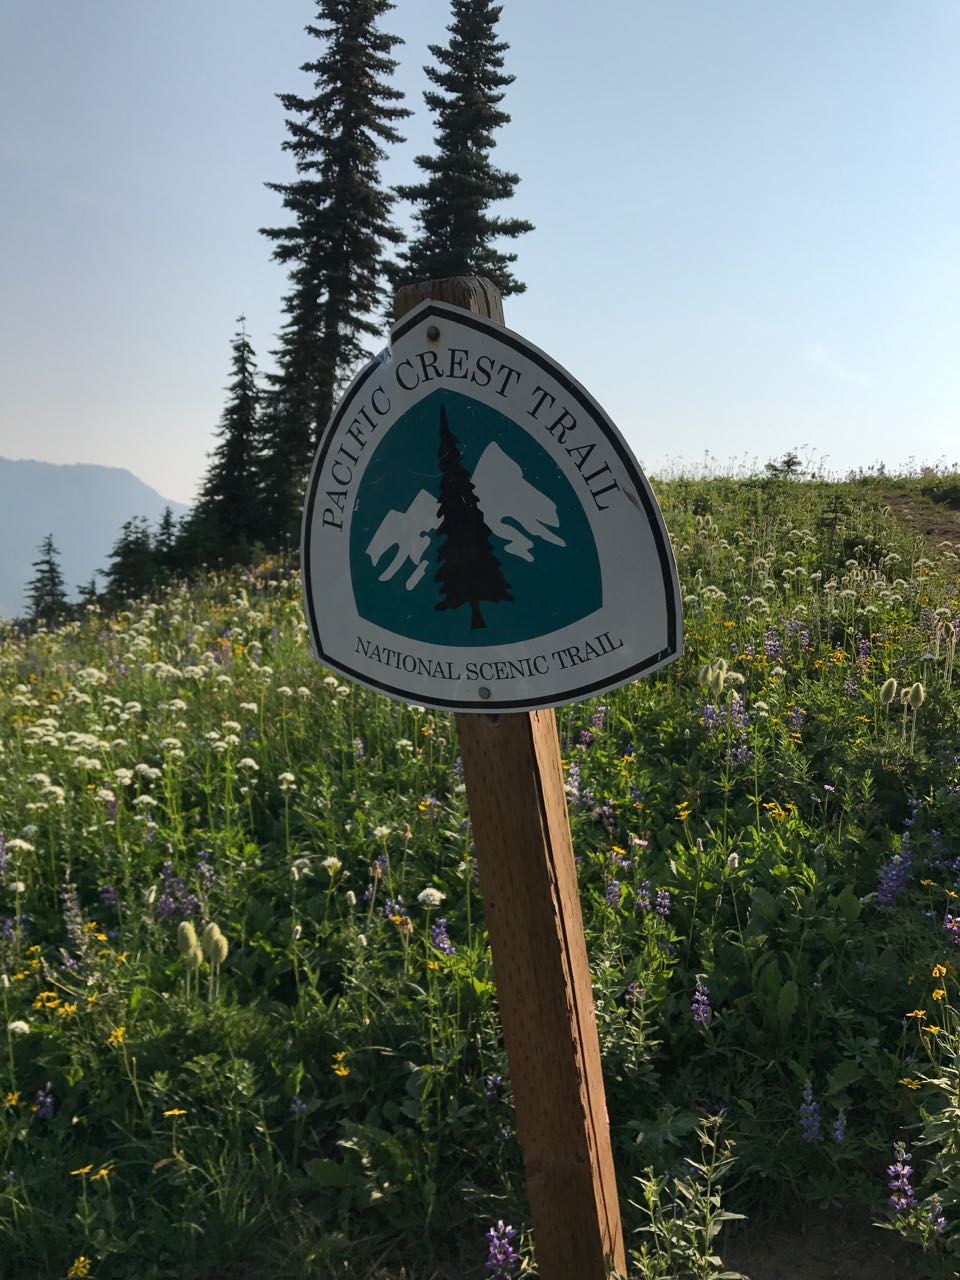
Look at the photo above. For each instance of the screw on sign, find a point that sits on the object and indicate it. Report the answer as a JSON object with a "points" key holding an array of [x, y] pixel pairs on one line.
{"points": [[478, 537]]}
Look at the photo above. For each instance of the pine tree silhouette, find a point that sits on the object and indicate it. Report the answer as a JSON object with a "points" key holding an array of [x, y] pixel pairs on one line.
{"points": [[469, 571]]}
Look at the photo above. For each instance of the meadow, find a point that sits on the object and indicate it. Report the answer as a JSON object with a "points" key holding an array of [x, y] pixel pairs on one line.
{"points": [[249, 1019]]}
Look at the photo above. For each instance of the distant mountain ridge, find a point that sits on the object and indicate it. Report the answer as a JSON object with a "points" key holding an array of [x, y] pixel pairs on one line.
{"points": [[81, 504]]}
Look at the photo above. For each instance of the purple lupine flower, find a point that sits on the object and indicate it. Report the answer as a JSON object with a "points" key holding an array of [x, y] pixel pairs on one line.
{"points": [[494, 1088], [108, 895], [441, 940], [633, 993], [502, 1258], [700, 1004], [935, 1215], [44, 1103], [863, 651], [810, 1116], [840, 1126], [741, 753], [709, 717], [393, 908], [900, 1173], [850, 687], [599, 720], [663, 903], [894, 874], [573, 781], [11, 924], [429, 806], [613, 894], [605, 813], [643, 896], [586, 737], [796, 717], [174, 897], [737, 717], [772, 643], [378, 867], [952, 926], [206, 872], [298, 1107]]}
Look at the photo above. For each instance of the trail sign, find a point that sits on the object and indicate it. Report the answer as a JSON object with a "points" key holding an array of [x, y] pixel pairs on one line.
{"points": [[477, 535]]}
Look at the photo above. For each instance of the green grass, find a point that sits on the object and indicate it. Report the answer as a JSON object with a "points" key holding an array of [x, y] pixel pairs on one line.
{"points": [[334, 1100]]}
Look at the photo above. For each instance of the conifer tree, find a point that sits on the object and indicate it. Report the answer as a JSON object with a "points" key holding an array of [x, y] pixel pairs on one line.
{"points": [[165, 543], [228, 517], [456, 231], [133, 564], [45, 594], [469, 571], [337, 241]]}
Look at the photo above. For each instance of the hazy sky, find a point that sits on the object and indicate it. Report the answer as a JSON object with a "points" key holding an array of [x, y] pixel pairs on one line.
{"points": [[747, 217]]}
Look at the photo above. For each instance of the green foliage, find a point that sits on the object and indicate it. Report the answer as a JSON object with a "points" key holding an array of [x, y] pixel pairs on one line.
{"points": [[331, 1096], [684, 1214], [456, 232]]}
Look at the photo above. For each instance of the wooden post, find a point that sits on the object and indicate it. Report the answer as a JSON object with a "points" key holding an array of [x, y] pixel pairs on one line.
{"points": [[528, 879]]}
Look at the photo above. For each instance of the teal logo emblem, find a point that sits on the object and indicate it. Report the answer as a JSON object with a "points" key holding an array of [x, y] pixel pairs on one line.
{"points": [[465, 532]]}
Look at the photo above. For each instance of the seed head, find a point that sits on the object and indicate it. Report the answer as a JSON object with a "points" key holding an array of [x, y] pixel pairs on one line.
{"points": [[219, 949], [210, 934], [186, 937], [888, 692], [916, 695], [194, 958]]}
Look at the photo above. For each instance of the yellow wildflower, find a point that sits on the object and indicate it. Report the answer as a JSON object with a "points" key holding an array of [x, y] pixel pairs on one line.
{"points": [[79, 1173], [341, 1070], [103, 1174], [432, 965], [939, 994], [910, 1083], [12, 1098], [80, 1268], [116, 1037], [175, 1111], [916, 1013], [939, 971], [67, 1010], [926, 883], [92, 999], [934, 1030]]}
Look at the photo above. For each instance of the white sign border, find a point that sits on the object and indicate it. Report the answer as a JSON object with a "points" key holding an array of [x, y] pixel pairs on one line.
{"points": [[433, 309]]}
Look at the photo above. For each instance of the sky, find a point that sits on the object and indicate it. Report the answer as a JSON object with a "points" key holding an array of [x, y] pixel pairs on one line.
{"points": [[747, 219]]}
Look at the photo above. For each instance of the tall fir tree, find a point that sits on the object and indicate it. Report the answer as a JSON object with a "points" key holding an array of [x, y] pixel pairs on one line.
{"points": [[456, 231], [228, 516], [337, 243], [132, 570], [46, 597]]}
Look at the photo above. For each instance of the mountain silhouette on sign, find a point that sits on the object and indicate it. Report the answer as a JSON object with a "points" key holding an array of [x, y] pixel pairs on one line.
{"points": [[503, 494]]}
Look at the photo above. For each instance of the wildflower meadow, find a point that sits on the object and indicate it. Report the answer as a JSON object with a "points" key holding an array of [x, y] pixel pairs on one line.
{"points": [[249, 1017]]}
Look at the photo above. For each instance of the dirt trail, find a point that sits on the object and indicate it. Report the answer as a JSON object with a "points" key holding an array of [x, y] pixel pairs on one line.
{"points": [[932, 520], [821, 1245]]}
